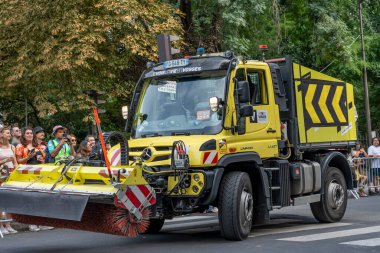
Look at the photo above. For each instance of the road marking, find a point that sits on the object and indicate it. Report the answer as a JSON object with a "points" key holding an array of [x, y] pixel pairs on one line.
{"points": [[192, 224], [274, 231], [330, 235], [369, 242], [187, 218]]}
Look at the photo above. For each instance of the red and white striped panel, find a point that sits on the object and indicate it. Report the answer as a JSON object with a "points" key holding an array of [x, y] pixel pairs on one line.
{"points": [[30, 170], [135, 198], [210, 157], [104, 173], [115, 157]]}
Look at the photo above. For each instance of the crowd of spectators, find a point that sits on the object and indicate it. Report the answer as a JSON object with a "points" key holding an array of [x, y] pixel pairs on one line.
{"points": [[29, 146], [367, 167]]}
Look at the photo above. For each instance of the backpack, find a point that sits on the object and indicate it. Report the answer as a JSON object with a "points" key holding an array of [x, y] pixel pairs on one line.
{"points": [[48, 157]]}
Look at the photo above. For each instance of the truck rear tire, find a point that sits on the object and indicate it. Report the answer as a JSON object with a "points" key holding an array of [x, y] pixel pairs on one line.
{"points": [[155, 226], [333, 202], [235, 206]]}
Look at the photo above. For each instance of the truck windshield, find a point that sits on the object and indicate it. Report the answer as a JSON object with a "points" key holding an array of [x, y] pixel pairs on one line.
{"points": [[179, 105]]}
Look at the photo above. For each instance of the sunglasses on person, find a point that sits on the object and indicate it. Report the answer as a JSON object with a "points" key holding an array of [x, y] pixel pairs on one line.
{"points": [[73, 140]]}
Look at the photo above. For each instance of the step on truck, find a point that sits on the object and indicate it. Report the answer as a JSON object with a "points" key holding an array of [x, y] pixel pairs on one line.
{"points": [[245, 136]]}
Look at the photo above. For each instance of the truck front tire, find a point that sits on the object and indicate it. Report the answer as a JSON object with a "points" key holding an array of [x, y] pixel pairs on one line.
{"points": [[333, 202], [235, 206]]}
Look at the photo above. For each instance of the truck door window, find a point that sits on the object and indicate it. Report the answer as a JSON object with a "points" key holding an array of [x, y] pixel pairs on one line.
{"points": [[257, 86]]}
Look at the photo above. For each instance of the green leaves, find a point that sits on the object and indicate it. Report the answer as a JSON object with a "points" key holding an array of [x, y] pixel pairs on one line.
{"points": [[60, 48]]}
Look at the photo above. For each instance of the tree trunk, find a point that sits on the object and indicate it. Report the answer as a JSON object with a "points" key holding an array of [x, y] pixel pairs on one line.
{"points": [[185, 8]]}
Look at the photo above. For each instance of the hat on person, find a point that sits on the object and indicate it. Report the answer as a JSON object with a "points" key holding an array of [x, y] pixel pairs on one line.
{"points": [[56, 128], [38, 129]]}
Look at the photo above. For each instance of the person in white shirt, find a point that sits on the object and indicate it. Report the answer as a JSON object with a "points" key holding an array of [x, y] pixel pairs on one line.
{"points": [[374, 152], [7, 159]]}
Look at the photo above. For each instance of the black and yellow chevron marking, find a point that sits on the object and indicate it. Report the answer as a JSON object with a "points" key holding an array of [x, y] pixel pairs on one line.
{"points": [[325, 103]]}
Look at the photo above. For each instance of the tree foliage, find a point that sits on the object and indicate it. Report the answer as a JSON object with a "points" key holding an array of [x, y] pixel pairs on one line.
{"points": [[53, 50], [321, 34]]}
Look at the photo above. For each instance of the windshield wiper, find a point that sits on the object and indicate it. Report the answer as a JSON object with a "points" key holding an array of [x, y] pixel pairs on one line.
{"points": [[151, 135], [180, 133]]}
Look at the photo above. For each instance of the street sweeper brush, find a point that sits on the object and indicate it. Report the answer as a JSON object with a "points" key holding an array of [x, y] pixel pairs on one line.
{"points": [[100, 218], [80, 197]]}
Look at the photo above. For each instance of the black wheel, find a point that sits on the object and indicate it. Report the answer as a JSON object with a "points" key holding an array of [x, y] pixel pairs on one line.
{"points": [[235, 206], [333, 202], [155, 226]]}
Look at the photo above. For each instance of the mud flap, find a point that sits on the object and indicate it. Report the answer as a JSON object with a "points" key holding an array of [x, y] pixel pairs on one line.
{"points": [[44, 204]]}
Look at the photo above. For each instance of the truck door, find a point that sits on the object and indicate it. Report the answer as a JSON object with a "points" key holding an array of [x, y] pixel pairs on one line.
{"points": [[263, 128]]}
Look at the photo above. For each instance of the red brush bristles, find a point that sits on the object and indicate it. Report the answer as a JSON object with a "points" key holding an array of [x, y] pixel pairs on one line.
{"points": [[100, 218], [128, 224]]}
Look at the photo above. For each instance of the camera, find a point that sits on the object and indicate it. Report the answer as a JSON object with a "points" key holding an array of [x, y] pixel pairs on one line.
{"points": [[64, 135]]}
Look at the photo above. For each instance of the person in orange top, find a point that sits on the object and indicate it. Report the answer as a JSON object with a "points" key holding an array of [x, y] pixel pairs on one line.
{"points": [[28, 151], [31, 151]]}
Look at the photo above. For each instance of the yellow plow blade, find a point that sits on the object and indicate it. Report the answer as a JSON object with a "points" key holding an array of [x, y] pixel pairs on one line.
{"points": [[43, 190]]}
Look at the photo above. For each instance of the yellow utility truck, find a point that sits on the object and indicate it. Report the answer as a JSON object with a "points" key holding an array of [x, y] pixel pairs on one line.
{"points": [[245, 136]]}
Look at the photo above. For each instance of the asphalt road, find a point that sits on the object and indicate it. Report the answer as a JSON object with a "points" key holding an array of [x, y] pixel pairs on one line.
{"points": [[293, 229]]}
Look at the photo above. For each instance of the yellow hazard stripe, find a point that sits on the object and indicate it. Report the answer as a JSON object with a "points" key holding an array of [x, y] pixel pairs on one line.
{"points": [[336, 106], [309, 105], [322, 104]]}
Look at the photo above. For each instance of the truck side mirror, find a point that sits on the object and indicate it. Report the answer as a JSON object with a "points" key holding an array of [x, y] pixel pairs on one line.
{"points": [[246, 111], [124, 111], [243, 92]]}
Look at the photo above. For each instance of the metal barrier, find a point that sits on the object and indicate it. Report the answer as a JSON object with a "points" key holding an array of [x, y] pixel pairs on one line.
{"points": [[366, 172], [4, 174]]}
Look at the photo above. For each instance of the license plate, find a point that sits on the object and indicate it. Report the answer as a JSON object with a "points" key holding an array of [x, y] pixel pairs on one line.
{"points": [[176, 63]]}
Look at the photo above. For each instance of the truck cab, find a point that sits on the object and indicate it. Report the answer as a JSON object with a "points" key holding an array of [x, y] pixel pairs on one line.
{"points": [[243, 135], [250, 130]]}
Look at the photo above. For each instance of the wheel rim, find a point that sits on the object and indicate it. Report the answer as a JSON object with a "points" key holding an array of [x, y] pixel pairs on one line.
{"points": [[335, 194], [246, 208]]}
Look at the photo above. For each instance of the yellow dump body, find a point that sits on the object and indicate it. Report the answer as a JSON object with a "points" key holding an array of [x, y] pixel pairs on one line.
{"points": [[325, 107]]}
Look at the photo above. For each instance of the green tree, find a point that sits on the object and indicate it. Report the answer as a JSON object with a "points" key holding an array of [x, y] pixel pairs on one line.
{"points": [[50, 51]]}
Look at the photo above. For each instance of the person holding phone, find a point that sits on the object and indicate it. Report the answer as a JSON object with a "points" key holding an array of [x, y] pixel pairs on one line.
{"points": [[60, 146], [72, 139], [28, 152]]}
